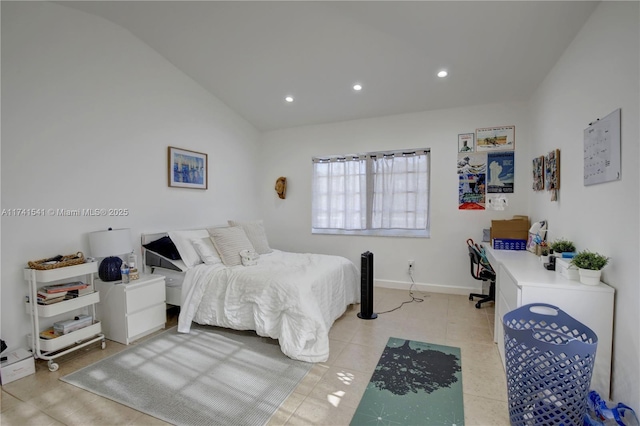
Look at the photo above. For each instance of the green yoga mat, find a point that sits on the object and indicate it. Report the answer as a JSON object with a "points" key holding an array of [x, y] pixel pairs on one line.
{"points": [[414, 383]]}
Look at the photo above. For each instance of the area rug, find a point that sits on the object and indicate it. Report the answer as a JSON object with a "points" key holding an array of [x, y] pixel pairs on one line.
{"points": [[414, 383], [211, 376]]}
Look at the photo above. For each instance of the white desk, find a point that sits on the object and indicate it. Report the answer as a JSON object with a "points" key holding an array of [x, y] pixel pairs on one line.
{"points": [[522, 279]]}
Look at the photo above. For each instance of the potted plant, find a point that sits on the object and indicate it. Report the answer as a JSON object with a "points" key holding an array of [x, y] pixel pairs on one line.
{"points": [[562, 245], [589, 266], [544, 252]]}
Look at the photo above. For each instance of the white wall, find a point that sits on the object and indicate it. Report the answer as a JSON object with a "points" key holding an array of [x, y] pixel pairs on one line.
{"points": [[440, 260], [88, 114], [597, 74]]}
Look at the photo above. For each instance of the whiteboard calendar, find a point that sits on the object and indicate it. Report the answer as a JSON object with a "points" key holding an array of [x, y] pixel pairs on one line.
{"points": [[602, 150]]}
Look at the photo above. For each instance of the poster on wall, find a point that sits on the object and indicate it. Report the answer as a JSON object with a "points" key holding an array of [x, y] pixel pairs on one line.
{"points": [[500, 175], [501, 138], [466, 142], [472, 171]]}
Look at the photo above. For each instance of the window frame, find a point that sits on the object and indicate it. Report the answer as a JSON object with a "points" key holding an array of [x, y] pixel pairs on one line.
{"points": [[369, 231]]}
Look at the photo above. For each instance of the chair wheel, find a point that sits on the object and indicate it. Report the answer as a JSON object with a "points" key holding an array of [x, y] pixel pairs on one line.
{"points": [[470, 297], [478, 305]]}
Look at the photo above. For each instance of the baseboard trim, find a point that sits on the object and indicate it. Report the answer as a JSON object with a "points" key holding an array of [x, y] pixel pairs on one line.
{"points": [[430, 288]]}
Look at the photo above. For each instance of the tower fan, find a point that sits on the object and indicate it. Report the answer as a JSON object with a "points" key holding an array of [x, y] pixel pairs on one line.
{"points": [[366, 287]]}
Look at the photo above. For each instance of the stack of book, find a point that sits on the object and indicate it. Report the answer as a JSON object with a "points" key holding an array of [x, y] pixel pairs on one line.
{"points": [[58, 292], [45, 298], [72, 294]]}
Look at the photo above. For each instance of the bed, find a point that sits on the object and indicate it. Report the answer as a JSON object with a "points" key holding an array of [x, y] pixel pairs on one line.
{"points": [[291, 297]]}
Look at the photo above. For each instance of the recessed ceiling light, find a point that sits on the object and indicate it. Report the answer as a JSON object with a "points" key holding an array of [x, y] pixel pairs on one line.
{"points": [[357, 87], [289, 99], [442, 73]]}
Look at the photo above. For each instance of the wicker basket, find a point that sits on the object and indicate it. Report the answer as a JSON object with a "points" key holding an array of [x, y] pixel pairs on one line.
{"points": [[69, 260]]}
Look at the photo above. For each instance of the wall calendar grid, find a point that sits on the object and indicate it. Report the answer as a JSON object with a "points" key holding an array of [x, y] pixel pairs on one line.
{"points": [[602, 150]]}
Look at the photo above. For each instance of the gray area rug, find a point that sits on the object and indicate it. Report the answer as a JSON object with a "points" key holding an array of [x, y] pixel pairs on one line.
{"points": [[211, 376]]}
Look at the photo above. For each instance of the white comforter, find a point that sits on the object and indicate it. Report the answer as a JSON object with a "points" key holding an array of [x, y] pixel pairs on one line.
{"points": [[292, 297]]}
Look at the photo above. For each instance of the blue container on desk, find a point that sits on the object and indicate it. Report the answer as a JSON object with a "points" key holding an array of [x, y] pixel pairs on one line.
{"points": [[549, 359], [507, 244]]}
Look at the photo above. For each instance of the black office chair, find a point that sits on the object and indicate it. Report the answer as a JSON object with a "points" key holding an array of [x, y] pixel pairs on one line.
{"points": [[482, 273]]}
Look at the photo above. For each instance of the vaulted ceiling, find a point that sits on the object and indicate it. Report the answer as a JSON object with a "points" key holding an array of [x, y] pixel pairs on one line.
{"points": [[251, 55]]}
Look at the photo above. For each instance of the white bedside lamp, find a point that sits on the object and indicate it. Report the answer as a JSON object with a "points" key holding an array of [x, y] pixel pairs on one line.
{"points": [[109, 244]]}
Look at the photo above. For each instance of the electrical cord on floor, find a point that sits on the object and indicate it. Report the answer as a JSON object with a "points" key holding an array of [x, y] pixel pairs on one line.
{"points": [[414, 299]]}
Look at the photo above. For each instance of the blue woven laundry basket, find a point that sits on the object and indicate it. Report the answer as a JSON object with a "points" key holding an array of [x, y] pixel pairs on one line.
{"points": [[549, 362]]}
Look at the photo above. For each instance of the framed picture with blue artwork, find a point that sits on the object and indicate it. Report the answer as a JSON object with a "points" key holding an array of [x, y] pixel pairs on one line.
{"points": [[188, 169]]}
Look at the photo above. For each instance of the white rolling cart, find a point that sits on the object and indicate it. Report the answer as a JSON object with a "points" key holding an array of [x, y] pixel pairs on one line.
{"points": [[50, 349]]}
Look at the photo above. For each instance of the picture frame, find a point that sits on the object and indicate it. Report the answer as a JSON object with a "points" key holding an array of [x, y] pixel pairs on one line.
{"points": [[501, 138], [187, 169], [538, 173], [552, 173], [466, 142]]}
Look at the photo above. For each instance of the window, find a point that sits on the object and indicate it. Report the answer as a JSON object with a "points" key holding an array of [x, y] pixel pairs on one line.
{"points": [[377, 193]]}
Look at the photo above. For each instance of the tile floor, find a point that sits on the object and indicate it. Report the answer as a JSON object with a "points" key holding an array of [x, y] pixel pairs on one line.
{"points": [[328, 395]]}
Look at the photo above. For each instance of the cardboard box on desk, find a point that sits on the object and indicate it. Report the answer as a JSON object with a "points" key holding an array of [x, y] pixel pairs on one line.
{"points": [[19, 364], [511, 229]]}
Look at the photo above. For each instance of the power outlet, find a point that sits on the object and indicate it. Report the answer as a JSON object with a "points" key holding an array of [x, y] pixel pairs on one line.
{"points": [[410, 267]]}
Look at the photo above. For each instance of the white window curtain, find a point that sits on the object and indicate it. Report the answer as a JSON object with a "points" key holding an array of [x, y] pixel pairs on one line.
{"points": [[339, 193], [400, 191]]}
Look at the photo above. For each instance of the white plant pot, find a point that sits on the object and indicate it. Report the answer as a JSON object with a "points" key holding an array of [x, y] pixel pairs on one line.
{"points": [[589, 276]]}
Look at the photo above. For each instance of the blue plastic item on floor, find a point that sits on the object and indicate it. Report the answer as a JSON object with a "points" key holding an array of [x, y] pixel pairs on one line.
{"points": [[549, 363], [599, 414]]}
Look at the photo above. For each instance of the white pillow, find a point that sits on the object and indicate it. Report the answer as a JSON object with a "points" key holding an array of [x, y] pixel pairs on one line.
{"points": [[182, 240], [256, 234], [229, 242], [206, 250]]}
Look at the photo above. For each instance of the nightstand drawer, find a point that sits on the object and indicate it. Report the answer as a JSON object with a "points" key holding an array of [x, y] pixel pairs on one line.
{"points": [[143, 321], [141, 297]]}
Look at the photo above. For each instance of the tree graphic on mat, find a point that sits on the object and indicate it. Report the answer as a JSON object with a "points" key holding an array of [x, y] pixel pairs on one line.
{"points": [[402, 370]]}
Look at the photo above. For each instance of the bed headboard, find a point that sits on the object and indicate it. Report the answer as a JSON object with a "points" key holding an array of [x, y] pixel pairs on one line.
{"points": [[147, 238], [152, 259]]}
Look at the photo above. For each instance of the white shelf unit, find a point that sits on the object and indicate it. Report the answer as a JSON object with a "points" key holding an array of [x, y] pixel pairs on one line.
{"points": [[50, 349]]}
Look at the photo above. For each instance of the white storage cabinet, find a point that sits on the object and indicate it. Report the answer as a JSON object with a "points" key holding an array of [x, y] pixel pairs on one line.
{"points": [[522, 280], [50, 349], [131, 311]]}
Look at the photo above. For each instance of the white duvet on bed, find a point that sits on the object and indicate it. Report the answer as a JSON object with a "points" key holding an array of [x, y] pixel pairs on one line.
{"points": [[292, 297]]}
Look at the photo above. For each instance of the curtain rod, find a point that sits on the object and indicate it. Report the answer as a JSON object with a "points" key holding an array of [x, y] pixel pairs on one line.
{"points": [[373, 154]]}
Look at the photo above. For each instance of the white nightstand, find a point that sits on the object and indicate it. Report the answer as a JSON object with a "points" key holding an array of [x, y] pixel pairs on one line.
{"points": [[131, 311]]}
